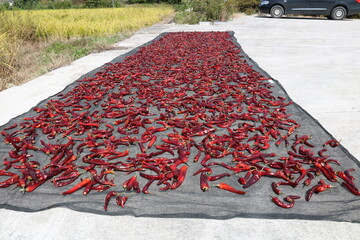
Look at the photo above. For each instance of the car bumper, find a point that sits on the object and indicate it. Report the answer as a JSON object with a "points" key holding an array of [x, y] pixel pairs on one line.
{"points": [[264, 9]]}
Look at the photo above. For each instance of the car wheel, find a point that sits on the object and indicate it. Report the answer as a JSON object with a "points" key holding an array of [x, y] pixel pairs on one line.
{"points": [[338, 13], [277, 11]]}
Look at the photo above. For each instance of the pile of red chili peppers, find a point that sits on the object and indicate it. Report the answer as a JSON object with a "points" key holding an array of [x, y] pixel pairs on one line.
{"points": [[187, 98]]}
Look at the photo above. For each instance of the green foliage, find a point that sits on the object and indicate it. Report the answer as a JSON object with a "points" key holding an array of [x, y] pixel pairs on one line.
{"points": [[188, 17], [102, 3], [208, 10], [356, 16], [66, 4], [247, 5], [5, 6], [62, 51], [26, 4], [48, 4], [154, 1], [74, 49]]}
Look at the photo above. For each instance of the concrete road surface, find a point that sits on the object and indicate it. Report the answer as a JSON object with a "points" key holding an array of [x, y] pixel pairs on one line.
{"points": [[316, 60]]}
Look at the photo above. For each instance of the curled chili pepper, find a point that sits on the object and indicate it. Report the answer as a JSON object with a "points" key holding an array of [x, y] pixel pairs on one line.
{"points": [[121, 200], [274, 187], [108, 198], [332, 143], [278, 202], [320, 187]]}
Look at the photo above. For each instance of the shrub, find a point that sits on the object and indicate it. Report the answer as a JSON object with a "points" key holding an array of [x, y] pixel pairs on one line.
{"points": [[248, 5], [155, 1], [26, 4], [62, 5], [209, 10], [188, 17], [356, 16]]}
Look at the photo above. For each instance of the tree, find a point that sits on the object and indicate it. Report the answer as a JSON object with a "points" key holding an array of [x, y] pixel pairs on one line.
{"points": [[25, 4]]}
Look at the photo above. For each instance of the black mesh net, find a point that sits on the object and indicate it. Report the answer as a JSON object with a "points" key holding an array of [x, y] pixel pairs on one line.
{"points": [[141, 126]]}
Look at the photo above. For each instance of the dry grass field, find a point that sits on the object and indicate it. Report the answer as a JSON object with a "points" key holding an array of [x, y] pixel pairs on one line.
{"points": [[35, 41]]}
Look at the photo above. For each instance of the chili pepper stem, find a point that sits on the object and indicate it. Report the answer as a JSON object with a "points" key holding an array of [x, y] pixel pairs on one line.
{"points": [[264, 166]]}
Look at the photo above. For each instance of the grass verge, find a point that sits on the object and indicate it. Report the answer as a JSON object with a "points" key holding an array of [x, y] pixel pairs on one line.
{"points": [[37, 41]]}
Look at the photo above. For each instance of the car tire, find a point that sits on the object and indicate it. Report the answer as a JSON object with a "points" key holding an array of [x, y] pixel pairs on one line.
{"points": [[338, 13], [277, 11]]}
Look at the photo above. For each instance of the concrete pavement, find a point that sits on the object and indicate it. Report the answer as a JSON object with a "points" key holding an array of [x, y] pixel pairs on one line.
{"points": [[316, 60]]}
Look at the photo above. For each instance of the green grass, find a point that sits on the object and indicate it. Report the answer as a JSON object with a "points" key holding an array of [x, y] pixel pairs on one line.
{"points": [[78, 48]]}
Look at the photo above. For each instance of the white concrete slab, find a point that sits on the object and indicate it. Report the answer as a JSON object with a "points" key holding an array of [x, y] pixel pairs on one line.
{"points": [[316, 60]]}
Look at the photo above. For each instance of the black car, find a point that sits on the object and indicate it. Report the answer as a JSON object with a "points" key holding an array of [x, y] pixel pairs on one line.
{"points": [[334, 9]]}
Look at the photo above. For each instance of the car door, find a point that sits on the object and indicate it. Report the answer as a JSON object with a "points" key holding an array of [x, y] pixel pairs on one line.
{"points": [[320, 7], [295, 6]]}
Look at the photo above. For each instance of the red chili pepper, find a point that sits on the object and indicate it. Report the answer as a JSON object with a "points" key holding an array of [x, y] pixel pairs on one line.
{"points": [[179, 178], [147, 185], [217, 177], [32, 186], [229, 188], [204, 169], [88, 187], [307, 182], [136, 187], [303, 173], [142, 148], [196, 158], [100, 188], [12, 180], [96, 161], [119, 155], [283, 138], [347, 173], [152, 141], [11, 127], [166, 149], [282, 204], [332, 143], [320, 153], [274, 187], [351, 188], [167, 186], [205, 159], [128, 184], [67, 174], [204, 185], [78, 186], [108, 197], [256, 175], [73, 178], [121, 201], [320, 187], [291, 198], [327, 171]]}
